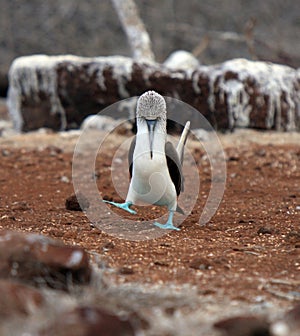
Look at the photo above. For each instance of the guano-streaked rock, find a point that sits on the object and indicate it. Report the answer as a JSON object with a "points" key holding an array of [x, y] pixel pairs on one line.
{"points": [[42, 261], [60, 91]]}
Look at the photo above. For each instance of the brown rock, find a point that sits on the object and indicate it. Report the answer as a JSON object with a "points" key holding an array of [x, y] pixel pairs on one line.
{"points": [[293, 236], [244, 326], [237, 93], [42, 261], [88, 321], [77, 203], [163, 263], [20, 206], [108, 246], [126, 270], [265, 230], [18, 299], [200, 264]]}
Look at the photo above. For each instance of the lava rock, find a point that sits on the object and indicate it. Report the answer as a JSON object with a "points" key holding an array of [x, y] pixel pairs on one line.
{"points": [[244, 326], [77, 203], [293, 236], [77, 87], [265, 230], [163, 263], [20, 206], [126, 270], [200, 264], [108, 246], [88, 321], [39, 260]]}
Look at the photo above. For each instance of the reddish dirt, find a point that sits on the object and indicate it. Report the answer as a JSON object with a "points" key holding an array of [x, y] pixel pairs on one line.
{"points": [[250, 248]]}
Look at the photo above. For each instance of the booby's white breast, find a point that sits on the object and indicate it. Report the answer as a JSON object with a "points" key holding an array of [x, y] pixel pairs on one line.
{"points": [[151, 180]]}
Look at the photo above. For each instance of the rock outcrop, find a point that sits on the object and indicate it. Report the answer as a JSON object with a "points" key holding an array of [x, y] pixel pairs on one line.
{"points": [[60, 91]]}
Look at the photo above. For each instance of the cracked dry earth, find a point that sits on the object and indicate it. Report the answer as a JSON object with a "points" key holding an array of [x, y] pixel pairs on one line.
{"points": [[245, 259]]}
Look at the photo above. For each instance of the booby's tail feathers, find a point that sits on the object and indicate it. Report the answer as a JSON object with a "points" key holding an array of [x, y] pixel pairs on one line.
{"points": [[182, 141], [179, 210]]}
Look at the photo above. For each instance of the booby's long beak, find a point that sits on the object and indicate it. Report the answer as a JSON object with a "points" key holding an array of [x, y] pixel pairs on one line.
{"points": [[151, 125]]}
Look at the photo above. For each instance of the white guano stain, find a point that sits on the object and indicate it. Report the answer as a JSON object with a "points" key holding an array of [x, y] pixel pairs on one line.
{"points": [[75, 259], [271, 80], [30, 75]]}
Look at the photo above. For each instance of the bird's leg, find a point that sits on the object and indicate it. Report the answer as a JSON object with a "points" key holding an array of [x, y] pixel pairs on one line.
{"points": [[169, 225], [125, 206]]}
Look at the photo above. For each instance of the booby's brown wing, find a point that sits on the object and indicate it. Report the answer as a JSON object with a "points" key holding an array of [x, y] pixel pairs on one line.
{"points": [[130, 156], [174, 166]]}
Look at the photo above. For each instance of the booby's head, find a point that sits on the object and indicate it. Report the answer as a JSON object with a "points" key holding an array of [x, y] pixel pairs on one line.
{"points": [[151, 109], [151, 106]]}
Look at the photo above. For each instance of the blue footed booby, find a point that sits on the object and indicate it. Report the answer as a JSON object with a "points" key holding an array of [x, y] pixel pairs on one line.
{"points": [[155, 166]]}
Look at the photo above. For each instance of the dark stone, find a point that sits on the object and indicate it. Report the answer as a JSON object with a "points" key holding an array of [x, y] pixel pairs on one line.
{"points": [[20, 206], [108, 246], [84, 87], [163, 263], [77, 203], [126, 270], [200, 264], [265, 230], [293, 236], [244, 326]]}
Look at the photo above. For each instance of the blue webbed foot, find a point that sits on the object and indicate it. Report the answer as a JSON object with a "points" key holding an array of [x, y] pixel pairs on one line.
{"points": [[169, 225], [125, 206]]}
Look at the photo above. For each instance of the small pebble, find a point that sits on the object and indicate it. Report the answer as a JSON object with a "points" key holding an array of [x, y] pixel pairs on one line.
{"points": [[77, 203], [264, 230], [200, 264], [126, 270]]}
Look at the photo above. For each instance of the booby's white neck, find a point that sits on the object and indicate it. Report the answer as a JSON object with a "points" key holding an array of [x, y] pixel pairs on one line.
{"points": [[142, 136]]}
